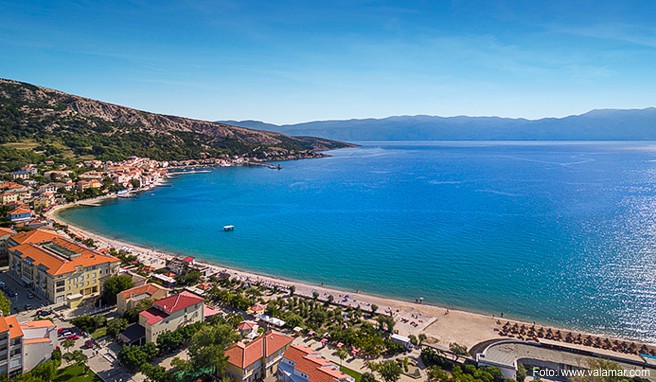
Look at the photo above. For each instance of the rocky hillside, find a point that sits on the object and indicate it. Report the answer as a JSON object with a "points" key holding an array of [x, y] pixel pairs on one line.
{"points": [[58, 123]]}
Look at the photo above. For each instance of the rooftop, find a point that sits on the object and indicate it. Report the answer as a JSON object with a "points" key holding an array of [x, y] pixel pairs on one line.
{"points": [[35, 236], [243, 355], [148, 289], [153, 315], [312, 363], [61, 256], [178, 302]]}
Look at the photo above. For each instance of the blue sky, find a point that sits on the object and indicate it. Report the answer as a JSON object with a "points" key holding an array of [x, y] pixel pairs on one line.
{"points": [[292, 61]]}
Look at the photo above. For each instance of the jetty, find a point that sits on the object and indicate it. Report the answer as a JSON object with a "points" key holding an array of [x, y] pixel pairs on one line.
{"points": [[267, 165], [89, 204]]}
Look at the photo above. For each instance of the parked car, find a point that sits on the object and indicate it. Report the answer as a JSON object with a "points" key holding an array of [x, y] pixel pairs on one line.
{"points": [[27, 306], [73, 337], [43, 313], [2, 285], [10, 293], [89, 344], [61, 331], [30, 295]]}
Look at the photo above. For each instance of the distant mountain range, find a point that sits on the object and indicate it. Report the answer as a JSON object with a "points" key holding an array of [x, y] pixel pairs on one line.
{"points": [[39, 121], [596, 125]]}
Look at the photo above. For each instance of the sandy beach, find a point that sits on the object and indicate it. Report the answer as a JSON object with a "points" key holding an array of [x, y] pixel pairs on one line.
{"points": [[440, 324]]}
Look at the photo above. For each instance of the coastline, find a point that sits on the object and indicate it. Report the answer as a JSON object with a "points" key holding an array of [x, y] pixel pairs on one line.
{"points": [[441, 324]]}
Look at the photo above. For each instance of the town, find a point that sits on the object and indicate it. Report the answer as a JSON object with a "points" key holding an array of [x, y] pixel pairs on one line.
{"points": [[75, 305]]}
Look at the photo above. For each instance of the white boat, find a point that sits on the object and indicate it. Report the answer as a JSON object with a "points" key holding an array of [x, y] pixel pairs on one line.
{"points": [[228, 228]]}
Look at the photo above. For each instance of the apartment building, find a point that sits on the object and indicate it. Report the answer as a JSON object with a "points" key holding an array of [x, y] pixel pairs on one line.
{"points": [[59, 269], [24, 346], [170, 313]]}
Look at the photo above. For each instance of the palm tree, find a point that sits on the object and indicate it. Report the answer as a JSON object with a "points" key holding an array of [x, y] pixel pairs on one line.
{"points": [[341, 354], [374, 308], [68, 344], [422, 337]]}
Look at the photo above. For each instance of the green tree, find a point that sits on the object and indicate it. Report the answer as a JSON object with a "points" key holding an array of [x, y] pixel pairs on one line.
{"points": [[46, 371], [132, 357], [609, 371], [422, 337], [80, 360], [368, 377], [207, 347], [341, 354], [374, 308], [157, 373], [150, 350], [292, 290], [116, 326], [68, 344], [390, 370], [436, 373], [113, 285], [168, 341], [521, 372], [135, 183], [458, 350], [5, 304], [89, 323]]}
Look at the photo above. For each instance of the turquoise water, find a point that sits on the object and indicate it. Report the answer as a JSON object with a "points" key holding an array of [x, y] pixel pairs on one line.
{"points": [[562, 233]]}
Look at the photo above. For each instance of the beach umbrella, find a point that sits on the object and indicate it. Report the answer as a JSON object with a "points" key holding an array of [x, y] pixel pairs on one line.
{"points": [[324, 340], [311, 333], [339, 345]]}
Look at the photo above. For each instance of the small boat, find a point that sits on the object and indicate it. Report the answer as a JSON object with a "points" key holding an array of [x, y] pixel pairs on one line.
{"points": [[228, 228]]}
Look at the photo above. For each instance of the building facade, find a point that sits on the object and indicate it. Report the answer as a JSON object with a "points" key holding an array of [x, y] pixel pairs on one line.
{"points": [[129, 298], [302, 364], [170, 313], [257, 359], [24, 346], [61, 270]]}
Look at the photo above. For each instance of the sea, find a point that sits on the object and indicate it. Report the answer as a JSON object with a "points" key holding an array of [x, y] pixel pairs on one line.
{"points": [[557, 232]]}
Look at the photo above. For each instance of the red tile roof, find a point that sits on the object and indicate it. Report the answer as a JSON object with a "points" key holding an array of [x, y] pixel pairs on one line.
{"points": [[243, 355], [57, 265], [6, 231], [188, 259], [313, 364], [148, 289], [153, 315], [246, 325], [178, 302], [35, 236], [20, 211]]}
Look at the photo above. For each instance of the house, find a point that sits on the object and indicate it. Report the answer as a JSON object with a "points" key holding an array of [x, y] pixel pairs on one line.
{"points": [[5, 234], [94, 183], [302, 364], [129, 298], [20, 215], [7, 197], [43, 202], [167, 281], [170, 313], [59, 269], [21, 174], [23, 346], [257, 359], [81, 185], [177, 265]]}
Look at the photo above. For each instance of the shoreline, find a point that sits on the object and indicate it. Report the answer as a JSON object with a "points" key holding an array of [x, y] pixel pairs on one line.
{"points": [[441, 324]]}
